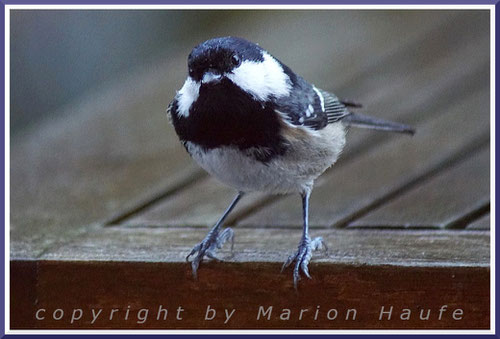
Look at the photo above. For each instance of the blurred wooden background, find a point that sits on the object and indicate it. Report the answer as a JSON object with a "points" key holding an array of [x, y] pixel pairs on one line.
{"points": [[106, 204]]}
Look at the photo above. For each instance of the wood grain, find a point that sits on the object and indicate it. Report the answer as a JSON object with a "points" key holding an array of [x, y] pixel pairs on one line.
{"points": [[439, 201], [366, 180], [112, 158], [199, 205], [134, 286], [410, 72], [99, 157], [113, 151], [23, 286], [483, 223], [360, 247]]}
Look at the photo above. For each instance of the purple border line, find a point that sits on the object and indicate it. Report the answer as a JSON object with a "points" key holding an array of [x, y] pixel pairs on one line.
{"points": [[194, 2], [250, 2], [497, 123], [2, 171]]}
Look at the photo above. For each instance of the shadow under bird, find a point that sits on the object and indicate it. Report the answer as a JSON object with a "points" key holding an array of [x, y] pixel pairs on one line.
{"points": [[255, 125]]}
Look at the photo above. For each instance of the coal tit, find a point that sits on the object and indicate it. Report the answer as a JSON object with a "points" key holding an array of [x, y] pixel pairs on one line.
{"points": [[255, 125]]}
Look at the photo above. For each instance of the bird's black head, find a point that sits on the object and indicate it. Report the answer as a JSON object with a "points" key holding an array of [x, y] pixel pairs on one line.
{"points": [[219, 56]]}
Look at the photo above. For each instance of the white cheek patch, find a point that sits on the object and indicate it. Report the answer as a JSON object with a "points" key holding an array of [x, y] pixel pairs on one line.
{"points": [[262, 79], [187, 95]]}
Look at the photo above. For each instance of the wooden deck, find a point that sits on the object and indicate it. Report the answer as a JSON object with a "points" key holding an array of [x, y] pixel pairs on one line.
{"points": [[106, 204]]}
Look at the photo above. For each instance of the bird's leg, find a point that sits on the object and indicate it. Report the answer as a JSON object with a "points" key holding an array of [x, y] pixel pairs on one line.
{"points": [[304, 253], [214, 239]]}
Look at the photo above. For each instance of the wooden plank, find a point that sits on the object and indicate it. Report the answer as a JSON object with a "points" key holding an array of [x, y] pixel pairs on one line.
{"points": [[23, 293], [483, 223], [97, 158], [199, 205], [132, 286], [193, 207], [428, 93], [356, 247], [377, 45], [439, 201], [363, 269], [366, 180], [113, 150], [359, 33]]}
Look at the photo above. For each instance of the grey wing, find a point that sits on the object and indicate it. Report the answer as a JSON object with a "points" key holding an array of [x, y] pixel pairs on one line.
{"points": [[311, 107], [334, 109]]}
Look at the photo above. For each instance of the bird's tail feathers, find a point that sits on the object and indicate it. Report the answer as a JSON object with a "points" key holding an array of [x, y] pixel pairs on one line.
{"points": [[365, 121]]}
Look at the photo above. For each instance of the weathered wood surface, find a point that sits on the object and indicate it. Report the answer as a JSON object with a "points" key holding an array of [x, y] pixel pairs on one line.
{"points": [[106, 204], [442, 201], [419, 248], [348, 190], [483, 223], [405, 78], [113, 152], [200, 204]]}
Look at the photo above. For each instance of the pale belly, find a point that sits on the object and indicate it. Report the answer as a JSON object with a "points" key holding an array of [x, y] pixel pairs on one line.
{"points": [[306, 159]]}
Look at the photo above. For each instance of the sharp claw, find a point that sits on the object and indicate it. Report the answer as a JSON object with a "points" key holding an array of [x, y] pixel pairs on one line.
{"points": [[285, 265], [213, 239], [296, 269], [305, 269], [296, 274], [208, 247], [302, 257], [193, 251], [194, 267], [288, 262], [296, 278]]}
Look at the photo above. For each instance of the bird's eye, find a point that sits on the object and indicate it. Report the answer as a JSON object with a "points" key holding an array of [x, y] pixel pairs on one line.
{"points": [[191, 71], [235, 60]]}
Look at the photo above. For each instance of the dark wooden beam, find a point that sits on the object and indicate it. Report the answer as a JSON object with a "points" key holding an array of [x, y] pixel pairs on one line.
{"points": [[246, 288]]}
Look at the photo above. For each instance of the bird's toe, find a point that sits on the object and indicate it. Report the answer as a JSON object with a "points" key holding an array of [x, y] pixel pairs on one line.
{"points": [[302, 257], [208, 247]]}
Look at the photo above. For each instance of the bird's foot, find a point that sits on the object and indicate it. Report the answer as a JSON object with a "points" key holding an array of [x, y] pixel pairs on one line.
{"points": [[207, 248], [302, 257]]}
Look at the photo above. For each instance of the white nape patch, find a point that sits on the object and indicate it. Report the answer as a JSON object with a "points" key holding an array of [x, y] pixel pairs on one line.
{"points": [[262, 79], [187, 95], [320, 98]]}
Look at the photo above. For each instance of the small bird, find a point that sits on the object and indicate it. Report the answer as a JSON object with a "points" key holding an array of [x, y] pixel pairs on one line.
{"points": [[255, 125]]}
